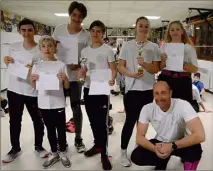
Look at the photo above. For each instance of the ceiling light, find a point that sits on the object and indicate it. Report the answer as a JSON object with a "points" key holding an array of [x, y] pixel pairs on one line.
{"points": [[82, 24], [61, 14], [133, 25], [152, 17], [197, 28]]}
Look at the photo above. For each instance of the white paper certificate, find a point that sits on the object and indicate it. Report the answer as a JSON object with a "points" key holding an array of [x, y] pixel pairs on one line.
{"points": [[175, 56], [18, 68], [100, 75], [47, 81], [99, 88]]}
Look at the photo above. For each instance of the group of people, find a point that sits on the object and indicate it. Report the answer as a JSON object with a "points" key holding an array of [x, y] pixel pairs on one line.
{"points": [[166, 103]]}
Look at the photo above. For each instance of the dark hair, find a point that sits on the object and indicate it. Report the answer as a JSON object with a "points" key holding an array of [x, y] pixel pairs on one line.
{"points": [[25, 22], [197, 74], [79, 6], [98, 23], [141, 18]]}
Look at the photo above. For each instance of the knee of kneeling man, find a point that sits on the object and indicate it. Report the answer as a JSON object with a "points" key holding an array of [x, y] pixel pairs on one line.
{"points": [[174, 163]]}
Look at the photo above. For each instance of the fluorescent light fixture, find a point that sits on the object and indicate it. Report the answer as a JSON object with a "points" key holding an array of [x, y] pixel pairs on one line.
{"points": [[197, 28], [133, 25], [61, 14], [152, 17]]}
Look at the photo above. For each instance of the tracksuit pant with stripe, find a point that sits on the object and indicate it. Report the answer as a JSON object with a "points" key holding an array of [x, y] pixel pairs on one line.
{"points": [[97, 108]]}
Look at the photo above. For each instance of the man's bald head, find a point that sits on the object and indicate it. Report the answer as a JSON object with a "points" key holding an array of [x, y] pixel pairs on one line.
{"points": [[161, 84]]}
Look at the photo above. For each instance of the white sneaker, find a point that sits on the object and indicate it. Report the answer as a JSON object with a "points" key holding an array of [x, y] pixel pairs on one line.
{"points": [[53, 158], [174, 163], [124, 159], [64, 160], [11, 155]]}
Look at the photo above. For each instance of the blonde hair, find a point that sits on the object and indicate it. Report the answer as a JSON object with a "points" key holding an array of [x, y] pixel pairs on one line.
{"points": [[47, 38], [184, 38]]}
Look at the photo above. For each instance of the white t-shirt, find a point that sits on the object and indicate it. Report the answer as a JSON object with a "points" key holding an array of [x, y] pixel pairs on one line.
{"points": [[129, 53], [97, 58], [51, 99], [190, 55], [196, 94], [83, 41], [171, 125], [18, 85]]}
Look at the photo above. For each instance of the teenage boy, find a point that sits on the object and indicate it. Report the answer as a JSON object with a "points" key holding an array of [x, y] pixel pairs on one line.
{"points": [[21, 93], [77, 13], [99, 56]]}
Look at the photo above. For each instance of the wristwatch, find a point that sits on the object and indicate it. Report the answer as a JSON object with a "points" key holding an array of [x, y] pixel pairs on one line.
{"points": [[174, 146]]}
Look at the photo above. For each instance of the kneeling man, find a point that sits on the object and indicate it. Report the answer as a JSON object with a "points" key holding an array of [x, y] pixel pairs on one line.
{"points": [[178, 127]]}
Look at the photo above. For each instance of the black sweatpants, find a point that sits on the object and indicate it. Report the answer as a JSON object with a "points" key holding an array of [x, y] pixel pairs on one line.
{"points": [[142, 157], [74, 92], [16, 104], [55, 121], [181, 86], [97, 108], [133, 104]]}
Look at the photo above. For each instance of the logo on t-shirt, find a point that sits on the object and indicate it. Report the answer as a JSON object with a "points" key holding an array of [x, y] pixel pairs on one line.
{"points": [[100, 58]]}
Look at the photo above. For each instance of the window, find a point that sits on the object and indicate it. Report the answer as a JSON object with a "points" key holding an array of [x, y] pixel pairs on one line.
{"points": [[204, 40]]}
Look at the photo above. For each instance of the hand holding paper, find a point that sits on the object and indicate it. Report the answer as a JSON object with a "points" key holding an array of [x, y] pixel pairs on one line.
{"points": [[163, 57], [34, 77], [29, 66], [62, 76], [111, 82], [8, 59]]}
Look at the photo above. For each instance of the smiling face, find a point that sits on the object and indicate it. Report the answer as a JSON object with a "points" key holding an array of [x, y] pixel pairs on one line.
{"points": [[175, 31], [76, 17], [27, 31], [162, 95]]}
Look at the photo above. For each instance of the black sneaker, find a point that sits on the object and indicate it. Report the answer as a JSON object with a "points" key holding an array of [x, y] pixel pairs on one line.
{"points": [[71, 120], [111, 129], [82, 102], [106, 164], [6, 110], [80, 145], [93, 151], [41, 152], [3, 103], [13, 153]]}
